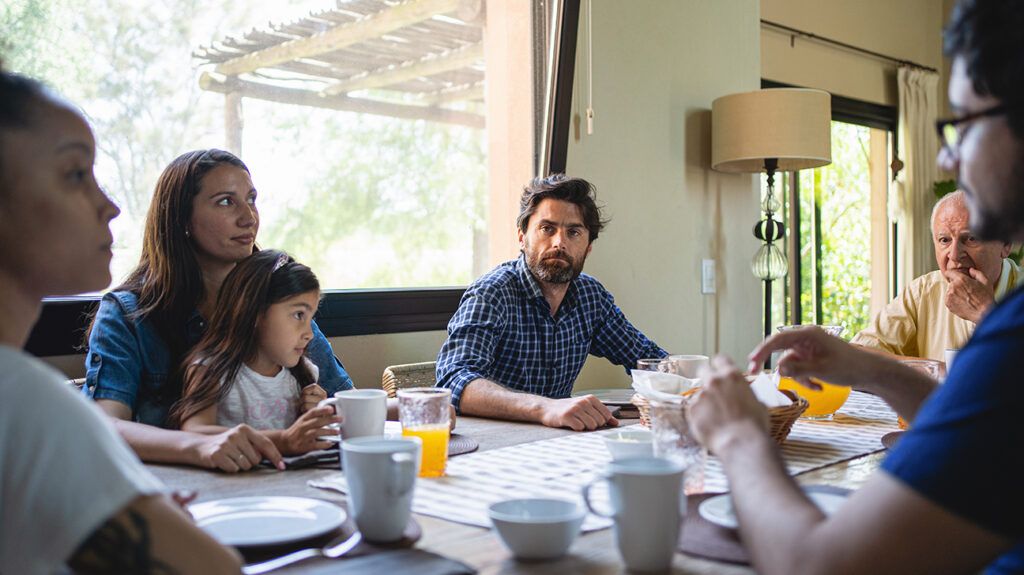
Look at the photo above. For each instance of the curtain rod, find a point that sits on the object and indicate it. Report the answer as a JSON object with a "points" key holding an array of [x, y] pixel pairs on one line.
{"points": [[846, 46]]}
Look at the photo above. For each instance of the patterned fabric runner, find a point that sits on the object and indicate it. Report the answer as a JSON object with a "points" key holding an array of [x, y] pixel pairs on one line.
{"points": [[560, 467]]}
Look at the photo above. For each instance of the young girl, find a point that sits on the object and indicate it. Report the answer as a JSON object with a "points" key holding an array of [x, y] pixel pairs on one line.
{"points": [[250, 366]]}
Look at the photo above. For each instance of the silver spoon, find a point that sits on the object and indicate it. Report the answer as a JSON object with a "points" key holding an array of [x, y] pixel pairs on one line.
{"points": [[332, 551]]}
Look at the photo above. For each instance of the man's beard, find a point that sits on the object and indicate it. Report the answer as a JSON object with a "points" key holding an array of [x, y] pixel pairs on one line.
{"points": [[1005, 224], [545, 269]]}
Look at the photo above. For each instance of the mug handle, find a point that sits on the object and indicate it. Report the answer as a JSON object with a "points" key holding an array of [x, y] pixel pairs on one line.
{"points": [[331, 401], [403, 473], [586, 497]]}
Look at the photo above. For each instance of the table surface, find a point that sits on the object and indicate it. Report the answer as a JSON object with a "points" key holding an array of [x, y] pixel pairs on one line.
{"points": [[593, 552]]}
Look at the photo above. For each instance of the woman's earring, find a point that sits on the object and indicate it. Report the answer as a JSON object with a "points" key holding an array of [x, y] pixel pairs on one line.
{"points": [[188, 234]]}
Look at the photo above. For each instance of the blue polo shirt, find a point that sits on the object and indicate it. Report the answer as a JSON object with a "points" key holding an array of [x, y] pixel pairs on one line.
{"points": [[965, 450]]}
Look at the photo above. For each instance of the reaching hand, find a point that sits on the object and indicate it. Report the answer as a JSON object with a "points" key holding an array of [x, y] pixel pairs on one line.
{"points": [[302, 436], [237, 449], [812, 352], [724, 405], [577, 413], [311, 395], [968, 295]]}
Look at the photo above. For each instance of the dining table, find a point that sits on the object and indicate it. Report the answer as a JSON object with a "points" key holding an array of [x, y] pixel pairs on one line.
{"points": [[477, 547]]}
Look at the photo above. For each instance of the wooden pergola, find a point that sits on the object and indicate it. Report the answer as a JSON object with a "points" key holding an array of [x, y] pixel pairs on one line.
{"points": [[413, 59]]}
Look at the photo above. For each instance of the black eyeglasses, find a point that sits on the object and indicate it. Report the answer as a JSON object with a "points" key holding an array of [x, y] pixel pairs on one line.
{"points": [[950, 130]]}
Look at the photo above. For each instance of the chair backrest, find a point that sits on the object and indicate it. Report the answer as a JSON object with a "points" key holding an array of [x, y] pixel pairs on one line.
{"points": [[408, 375]]}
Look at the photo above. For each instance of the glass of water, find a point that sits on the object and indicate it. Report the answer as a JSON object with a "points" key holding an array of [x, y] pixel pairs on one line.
{"points": [[673, 440]]}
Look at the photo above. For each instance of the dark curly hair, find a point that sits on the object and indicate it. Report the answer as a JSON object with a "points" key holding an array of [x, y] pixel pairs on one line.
{"points": [[561, 187], [989, 36]]}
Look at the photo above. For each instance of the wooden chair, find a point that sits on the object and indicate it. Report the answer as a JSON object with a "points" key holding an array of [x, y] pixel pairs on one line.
{"points": [[408, 375]]}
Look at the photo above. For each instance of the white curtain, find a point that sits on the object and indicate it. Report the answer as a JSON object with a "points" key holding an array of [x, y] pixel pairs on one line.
{"points": [[913, 197]]}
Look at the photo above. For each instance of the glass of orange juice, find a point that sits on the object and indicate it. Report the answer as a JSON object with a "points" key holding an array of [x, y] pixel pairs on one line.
{"points": [[425, 414], [824, 402]]}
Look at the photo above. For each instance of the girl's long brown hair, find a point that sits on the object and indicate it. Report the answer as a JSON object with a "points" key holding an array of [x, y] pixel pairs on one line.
{"points": [[257, 282], [167, 280]]}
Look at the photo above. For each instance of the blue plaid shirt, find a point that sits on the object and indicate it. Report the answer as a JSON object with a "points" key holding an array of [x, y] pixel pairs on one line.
{"points": [[503, 331]]}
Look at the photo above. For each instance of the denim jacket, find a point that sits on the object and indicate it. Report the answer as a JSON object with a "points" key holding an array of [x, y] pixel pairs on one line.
{"points": [[129, 362]]}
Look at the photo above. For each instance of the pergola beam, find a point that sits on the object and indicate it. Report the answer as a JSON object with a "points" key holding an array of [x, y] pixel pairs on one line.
{"points": [[374, 26], [471, 92], [426, 66], [340, 102]]}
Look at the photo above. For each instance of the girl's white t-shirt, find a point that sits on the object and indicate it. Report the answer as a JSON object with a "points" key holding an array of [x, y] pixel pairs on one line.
{"points": [[263, 402]]}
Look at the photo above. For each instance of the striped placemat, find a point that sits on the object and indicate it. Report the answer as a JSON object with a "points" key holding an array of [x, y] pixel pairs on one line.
{"points": [[560, 467]]}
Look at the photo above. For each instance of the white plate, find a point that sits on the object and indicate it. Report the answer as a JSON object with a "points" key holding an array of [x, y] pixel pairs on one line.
{"points": [[245, 521], [719, 510]]}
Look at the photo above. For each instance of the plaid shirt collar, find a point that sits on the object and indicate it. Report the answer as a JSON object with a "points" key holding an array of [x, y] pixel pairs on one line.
{"points": [[531, 287]]}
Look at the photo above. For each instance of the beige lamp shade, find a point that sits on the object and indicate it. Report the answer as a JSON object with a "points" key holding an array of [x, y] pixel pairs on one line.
{"points": [[789, 124]]}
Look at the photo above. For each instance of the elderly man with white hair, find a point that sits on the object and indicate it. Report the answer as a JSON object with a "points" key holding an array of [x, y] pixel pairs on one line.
{"points": [[939, 310]]}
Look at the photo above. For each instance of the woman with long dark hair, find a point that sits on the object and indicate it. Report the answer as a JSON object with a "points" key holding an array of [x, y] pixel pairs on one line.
{"points": [[202, 221], [55, 238]]}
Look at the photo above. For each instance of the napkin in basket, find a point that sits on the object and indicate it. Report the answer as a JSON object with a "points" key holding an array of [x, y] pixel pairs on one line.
{"points": [[662, 386]]}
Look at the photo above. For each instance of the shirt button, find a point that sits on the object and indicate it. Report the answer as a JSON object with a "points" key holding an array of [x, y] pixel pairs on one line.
{"points": [[95, 358]]}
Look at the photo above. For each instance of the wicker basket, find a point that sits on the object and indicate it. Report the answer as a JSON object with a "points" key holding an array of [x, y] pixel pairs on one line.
{"points": [[780, 419]]}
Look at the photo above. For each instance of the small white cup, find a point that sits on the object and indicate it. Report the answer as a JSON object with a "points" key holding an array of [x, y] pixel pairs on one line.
{"points": [[362, 411], [689, 366], [647, 505], [629, 443], [381, 475], [950, 354]]}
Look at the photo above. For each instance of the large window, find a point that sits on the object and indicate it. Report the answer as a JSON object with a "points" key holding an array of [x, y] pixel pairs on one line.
{"points": [[839, 236], [363, 122]]}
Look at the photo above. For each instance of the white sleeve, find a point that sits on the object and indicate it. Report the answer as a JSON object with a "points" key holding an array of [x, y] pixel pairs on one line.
{"points": [[64, 470]]}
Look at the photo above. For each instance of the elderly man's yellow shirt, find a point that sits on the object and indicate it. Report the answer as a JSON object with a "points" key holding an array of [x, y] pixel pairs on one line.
{"points": [[917, 323]]}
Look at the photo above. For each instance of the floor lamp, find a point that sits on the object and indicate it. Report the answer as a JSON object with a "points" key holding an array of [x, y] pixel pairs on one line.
{"points": [[768, 131]]}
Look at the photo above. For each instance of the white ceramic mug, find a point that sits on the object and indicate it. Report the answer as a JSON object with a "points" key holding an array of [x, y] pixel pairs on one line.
{"points": [[362, 411], [381, 474], [949, 355], [647, 505], [689, 366]]}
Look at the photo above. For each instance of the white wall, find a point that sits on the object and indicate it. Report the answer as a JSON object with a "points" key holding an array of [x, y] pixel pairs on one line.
{"points": [[658, 64], [904, 29]]}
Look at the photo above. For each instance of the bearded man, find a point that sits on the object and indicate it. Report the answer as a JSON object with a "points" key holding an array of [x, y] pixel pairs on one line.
{"points": [[523, 330]]}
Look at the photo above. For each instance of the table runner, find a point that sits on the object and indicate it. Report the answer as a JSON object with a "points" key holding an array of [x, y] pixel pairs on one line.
{"points": [[560, 467]]}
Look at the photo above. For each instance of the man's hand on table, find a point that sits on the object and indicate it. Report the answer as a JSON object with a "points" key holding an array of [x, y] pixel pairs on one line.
{"points": [[725, 408], [968, 295], [237, 449], [584, 413]]}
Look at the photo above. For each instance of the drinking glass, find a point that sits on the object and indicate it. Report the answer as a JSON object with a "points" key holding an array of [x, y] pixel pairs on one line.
{"points": [[425, 414], [825, 402], [929, 367], [673, 440], [662, 364]]}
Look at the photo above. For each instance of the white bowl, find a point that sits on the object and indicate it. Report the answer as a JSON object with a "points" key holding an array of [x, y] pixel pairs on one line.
{"points": [[630, 443], [537, 528]]}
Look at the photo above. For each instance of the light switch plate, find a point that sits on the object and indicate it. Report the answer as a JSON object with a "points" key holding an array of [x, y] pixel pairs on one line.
{"points": [[707, 276]]}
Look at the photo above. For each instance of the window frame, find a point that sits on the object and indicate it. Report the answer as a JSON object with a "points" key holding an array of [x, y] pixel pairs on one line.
{"points": [[60, 328], [850, 111]]}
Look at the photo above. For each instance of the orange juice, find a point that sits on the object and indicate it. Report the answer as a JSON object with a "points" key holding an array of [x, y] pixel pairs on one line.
{"points": [[435, 447], [822, 403]]}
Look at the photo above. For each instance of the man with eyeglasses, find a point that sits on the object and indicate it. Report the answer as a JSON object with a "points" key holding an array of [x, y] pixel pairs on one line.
{"points": [[948, 498], [939, 310]]}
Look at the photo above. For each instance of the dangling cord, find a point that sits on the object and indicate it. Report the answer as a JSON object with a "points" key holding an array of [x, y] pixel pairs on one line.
{"points": [[590, 68]]}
